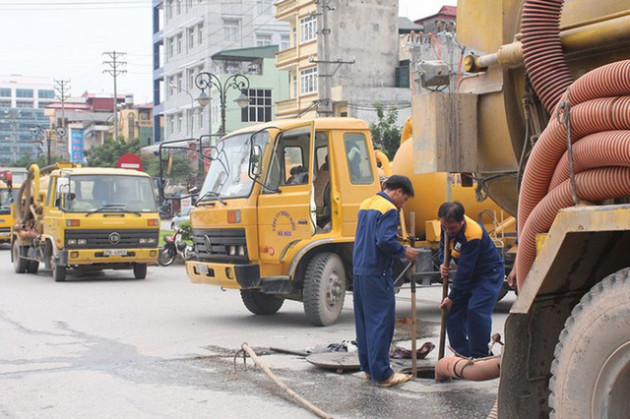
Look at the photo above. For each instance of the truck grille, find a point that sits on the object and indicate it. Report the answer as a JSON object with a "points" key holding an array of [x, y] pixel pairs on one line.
{"points": [[215, 244], [111, 239], [5, 229]]}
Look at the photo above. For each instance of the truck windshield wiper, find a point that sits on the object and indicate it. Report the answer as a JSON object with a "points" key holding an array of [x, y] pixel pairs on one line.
{"points": [[112, 208], [211, 194]]}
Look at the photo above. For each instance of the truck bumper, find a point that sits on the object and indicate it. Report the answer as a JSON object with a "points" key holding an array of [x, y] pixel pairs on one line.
{"points": [[107, 256], [224, 275]]}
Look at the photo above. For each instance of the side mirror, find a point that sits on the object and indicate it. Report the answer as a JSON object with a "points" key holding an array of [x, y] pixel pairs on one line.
{"points": [[255, 157], [71, 196]]}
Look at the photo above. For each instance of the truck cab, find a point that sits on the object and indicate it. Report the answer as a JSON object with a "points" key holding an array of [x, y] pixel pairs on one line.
{"points": [[277, 213]]}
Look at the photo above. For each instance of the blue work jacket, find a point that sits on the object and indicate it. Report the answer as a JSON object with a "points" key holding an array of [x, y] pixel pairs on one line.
{"points": [[475, 254], [376, 242]]}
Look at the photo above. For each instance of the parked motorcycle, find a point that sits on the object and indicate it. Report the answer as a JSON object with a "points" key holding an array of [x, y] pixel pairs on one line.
{"points": [[174, 246]]}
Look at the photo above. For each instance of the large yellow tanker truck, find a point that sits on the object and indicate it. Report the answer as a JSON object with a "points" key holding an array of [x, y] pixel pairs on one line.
{"points": [[277, 212], [85, 219], [546, 112]]}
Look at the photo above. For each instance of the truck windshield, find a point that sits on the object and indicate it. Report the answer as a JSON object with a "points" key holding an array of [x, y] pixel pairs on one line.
{"points": [[228, 174], [5, 201], [89, 193]]}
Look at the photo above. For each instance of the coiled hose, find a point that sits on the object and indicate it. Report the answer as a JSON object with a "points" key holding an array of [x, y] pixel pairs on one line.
{"points": [[600, 129]]}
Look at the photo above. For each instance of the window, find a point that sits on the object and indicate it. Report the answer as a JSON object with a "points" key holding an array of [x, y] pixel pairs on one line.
{"points": [[259, 108], [169, 9], [171, 124], [180, 41], [358, 159], [263, 39], [179, 82], [190, 75], [291, 154], [5, 103], [308, 28], [189, 5], [25, 104], [171, 48], [230, 30], [200, 33], [308, 81], [180, 118], [284, 42], [170, 82], [46, 94], [264, 7], [178, 5], [24, 93], [5, 92], [191, 38]]}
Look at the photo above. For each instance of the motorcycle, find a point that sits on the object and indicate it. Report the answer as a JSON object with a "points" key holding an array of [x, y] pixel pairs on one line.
{"points": [[174, 246]]}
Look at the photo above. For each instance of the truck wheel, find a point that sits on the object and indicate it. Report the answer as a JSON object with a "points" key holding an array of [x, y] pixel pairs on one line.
{"points": [[140, 270], [259, 303], [32, 267], [58, 272], [591, 369], [19, 263], [324, 289]]}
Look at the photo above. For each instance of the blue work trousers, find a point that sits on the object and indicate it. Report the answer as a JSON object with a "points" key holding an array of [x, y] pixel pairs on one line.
{"points": [[374, 318], [469, 321]]}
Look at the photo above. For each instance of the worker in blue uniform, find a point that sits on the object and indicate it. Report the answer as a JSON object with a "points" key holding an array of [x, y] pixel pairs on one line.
{"points": [[478, 280], [375, 246]]}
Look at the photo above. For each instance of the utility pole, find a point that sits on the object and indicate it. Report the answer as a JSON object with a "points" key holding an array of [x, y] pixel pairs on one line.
{"points": [[324, 74], [114, 70], [62, 88]]}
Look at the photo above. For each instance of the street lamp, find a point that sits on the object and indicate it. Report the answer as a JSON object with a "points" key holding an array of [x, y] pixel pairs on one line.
{"points": [[205, 80], [36, 131], [192, 105]]}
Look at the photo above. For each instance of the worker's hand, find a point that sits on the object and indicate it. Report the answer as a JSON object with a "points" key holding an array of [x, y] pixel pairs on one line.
{"points": [[511, 278], [446, 304], [411, 253], [444, 270]]}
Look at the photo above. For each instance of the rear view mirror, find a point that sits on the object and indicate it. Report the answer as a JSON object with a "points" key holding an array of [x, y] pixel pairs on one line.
{"points": [[255, 158]]}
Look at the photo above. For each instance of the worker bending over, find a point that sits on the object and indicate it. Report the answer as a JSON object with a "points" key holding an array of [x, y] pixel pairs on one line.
{"points": [[477, 282], [375, 246]]}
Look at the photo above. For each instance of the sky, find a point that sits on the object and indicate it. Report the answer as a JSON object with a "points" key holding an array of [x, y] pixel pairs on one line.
{"points": [[66, 39]]}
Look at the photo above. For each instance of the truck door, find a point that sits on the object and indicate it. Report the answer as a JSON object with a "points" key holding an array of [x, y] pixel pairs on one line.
{"points": [[284, 205]]}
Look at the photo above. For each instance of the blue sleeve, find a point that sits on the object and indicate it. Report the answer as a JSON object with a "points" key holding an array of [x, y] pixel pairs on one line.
{"points": [[441, 250], [465, 268], [386, 235]]}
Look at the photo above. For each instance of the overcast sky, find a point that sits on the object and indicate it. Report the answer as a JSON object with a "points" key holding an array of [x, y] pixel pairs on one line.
{"points": [[65, 40]]}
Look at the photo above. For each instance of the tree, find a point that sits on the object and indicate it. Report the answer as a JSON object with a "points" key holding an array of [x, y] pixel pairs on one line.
{"points": [[385, 134], [108, 154], [26, 160]]}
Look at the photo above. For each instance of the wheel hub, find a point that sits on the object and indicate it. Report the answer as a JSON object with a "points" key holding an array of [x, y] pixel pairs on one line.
{"points": [[610, 398], [333, 290]]}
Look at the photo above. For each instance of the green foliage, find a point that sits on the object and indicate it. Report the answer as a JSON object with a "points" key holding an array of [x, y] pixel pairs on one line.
{"points": [[26, 160], [187, 234], [385, 133], [151, 164], [108, 154]]}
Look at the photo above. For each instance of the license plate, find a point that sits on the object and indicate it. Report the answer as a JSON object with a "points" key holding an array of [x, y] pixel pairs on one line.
{"points": [[202, 269], [115, 252]]}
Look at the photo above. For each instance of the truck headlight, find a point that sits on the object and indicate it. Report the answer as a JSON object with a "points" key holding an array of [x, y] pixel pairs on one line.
{"points": [[232, 251], [72, 241], [143, 241], [151, 241], [82, 241], [241, 250]]}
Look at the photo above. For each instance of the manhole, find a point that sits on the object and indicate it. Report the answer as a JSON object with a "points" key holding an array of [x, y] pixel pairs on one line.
{"points": [[422, 371]]}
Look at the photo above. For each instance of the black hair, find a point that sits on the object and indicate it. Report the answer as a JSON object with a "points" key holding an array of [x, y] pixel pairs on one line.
{"points": [[399, 182], [451, 211]]}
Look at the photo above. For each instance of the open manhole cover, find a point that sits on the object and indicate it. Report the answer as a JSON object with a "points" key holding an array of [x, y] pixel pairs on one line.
{"points": [[338, 361]]}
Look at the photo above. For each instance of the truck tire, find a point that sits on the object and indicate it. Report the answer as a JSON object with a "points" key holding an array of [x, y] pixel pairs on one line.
{"points": [[19, 263], [259, 303], [324, 289], [32, 267], [58, 272], [140, 270], [591, 369]]}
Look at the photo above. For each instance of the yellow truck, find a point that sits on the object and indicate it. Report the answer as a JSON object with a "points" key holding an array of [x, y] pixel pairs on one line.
{"points": [[545, 108], [7, 195], [85, 219], [276, 215]]}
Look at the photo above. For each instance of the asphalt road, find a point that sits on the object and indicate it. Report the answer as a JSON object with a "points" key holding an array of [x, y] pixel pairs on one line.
{"points": [[110, 346]]}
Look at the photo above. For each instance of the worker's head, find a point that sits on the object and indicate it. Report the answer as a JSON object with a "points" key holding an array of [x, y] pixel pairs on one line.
{"points": [[451, 215], [399, 189]]}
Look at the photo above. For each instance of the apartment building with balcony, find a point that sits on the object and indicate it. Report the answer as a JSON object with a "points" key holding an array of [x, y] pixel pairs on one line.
{"points": [[342, 58], [186, 34]]}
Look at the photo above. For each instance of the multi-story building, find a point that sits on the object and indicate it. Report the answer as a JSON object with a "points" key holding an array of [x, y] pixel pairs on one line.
{"points": [[22, 119], [186, 34], [342, 58]]}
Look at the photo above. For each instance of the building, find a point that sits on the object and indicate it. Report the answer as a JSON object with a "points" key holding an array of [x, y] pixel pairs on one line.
{"points": [[186, 34], [22, 119], [341, 59], [442, 21]]}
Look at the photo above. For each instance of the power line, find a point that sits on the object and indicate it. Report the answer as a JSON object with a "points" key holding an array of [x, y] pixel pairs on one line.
{"points": [[114, 70]]}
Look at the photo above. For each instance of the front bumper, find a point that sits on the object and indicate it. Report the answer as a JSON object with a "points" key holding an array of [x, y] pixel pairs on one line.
{"points": [[224, 275], [108, 256]]}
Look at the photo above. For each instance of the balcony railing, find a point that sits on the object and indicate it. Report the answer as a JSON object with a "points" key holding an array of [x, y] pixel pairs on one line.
{"points": [[286, 58], [285, 107]]}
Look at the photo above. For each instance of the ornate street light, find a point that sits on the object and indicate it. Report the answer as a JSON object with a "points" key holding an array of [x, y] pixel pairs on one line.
{"points": [[205, 80]]}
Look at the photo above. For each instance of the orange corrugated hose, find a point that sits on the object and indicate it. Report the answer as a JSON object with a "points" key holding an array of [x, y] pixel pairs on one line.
{"points": [[600, 129]]}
